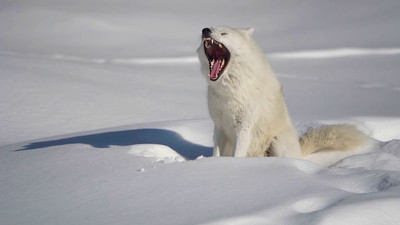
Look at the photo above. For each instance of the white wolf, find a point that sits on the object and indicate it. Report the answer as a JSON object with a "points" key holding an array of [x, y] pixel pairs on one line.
{"points": [[246, 104]]}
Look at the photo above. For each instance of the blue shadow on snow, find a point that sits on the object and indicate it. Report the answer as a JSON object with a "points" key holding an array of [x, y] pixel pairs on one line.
{"points": [[131, 137]]}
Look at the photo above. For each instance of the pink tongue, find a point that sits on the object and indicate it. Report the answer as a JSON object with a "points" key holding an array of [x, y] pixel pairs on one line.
{"points": [[214, 69]]}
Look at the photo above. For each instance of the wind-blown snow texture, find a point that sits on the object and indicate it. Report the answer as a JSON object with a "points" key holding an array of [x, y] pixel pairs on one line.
{"points": [[85, 84]]}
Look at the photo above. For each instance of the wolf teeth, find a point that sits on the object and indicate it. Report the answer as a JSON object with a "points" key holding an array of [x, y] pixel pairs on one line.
{"points": [[212, 63], [223, 62], [220, 45], [212, 41]]}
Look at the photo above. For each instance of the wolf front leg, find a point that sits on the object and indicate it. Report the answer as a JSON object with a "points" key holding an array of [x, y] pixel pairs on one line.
{"points": [[222, 144], [217, 144], [242, 143]]}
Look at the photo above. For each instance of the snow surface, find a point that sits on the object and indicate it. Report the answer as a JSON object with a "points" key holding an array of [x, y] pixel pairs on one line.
{"points": [[104, 116]]}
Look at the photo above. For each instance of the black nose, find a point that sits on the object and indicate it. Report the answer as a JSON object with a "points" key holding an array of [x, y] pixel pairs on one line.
{"points": [[206, 31]]}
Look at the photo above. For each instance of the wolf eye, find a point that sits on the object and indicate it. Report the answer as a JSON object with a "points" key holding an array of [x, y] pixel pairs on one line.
{"points": [[224, 34]]}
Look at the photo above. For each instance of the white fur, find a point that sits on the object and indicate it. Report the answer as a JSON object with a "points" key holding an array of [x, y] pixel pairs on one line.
{"points": [[246, 102]]}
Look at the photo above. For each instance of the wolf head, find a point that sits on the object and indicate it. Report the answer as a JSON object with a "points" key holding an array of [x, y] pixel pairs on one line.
{"points": [[221, 48]]}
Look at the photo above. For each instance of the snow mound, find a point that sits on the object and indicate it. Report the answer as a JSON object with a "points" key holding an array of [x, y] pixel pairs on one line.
{"points": [[161, 153], [92, 170]]}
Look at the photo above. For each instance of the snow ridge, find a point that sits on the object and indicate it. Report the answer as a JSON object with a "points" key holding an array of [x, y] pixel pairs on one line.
{"points": [[305, 54]]}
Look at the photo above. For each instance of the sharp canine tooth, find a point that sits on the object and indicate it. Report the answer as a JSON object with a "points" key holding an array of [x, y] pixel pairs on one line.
{"points": [[220, 45], [223, 62], [212, 41]]}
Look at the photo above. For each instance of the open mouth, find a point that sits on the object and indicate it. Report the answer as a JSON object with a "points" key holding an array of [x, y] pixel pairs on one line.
{"points": [[218, 57]]}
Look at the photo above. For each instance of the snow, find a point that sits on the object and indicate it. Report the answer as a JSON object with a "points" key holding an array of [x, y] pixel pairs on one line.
{"points": [[104, 116], [332, 53]]}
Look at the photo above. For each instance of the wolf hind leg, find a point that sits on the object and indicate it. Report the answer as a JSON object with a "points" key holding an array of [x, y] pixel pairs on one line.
{"points": [[286, 144]]}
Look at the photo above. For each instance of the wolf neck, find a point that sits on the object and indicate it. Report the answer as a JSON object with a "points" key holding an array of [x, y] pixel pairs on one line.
{"points": [[245, 72]]}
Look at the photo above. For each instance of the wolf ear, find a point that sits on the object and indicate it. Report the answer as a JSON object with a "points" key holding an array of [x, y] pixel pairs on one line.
{"points": [[247, 32]]}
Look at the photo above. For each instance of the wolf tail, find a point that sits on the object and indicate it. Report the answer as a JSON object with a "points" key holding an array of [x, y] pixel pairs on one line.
{"points": [[332, 137]]}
